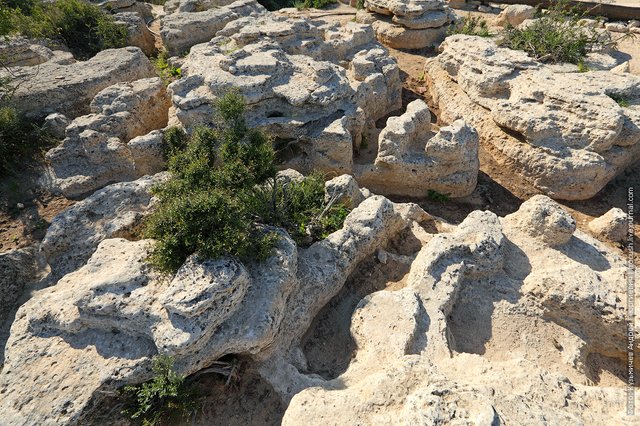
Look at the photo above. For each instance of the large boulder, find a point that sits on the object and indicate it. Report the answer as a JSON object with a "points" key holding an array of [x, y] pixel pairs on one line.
{"points": [[112, 212], [493, 326], [188, 23], [138, 34], [102, 324], [69, 87], [313, 87], [562, 131], [413, 159], [407, 24], [18, 268], [95, 151]]}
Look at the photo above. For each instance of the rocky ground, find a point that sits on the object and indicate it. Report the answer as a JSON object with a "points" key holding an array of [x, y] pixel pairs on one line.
{"points": [[492, 304]]}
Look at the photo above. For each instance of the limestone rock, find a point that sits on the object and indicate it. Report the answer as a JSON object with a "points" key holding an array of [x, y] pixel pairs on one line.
{"points": [[114, 211], [95, 151], [148, 153], [181, 29], [209, 309], [343, 190], [313, 87], [515, 14], [612, 225], [55, 124], [17, 269], [407, 24], [18, 51], [138, 34], [412, 159], [69, 87], [561, 130], [424, 356]]}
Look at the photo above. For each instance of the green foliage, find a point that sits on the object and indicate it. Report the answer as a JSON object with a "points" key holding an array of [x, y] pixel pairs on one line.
{"points": [[556, 36], [219, 197], [582, 67], [20, 140], [471, 25], [359, 4], [174, 141], [437, 196], [168, 73], [315, 4], [298, 207], [82, 26], [299, 4], [621, 100], [165, 397]]}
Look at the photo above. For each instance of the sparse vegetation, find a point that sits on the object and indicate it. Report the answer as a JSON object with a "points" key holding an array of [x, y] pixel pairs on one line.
{"points": [[83, 27], [223, 192], [299, 4], [471, 25], [557, 35], [582, 67], [165, 399], [167, 72], [434, 195], [623, 101]]}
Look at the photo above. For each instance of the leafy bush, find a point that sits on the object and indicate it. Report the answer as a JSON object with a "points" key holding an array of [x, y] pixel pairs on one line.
{"points": [[19, 139], [471, 25], [165, 71], [166, 396], [556, 36], [219, 197], [83, 27]]}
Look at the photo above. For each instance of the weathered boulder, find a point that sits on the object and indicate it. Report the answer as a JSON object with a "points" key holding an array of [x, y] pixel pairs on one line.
{"points": [[18, 268], [208, 309], [433, 352], [69, 87], [343, 190], [611, 226], [138, 34], [18, 51], [190, 23], [413, 159], [407, 24], [95, 151], [562, 131], [112, 212], [515, 14], [55, 124], [313, 87]]}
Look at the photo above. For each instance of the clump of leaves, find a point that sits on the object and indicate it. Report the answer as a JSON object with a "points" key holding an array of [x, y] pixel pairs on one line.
{"points": [[165, 399], [557, 35], [434, 195], [167, 72], [82, 26], [471, 25], [223, 193]]}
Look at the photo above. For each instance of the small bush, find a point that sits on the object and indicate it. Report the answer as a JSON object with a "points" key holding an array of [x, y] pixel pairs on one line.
{"points": [[620, 100], [471, 25], [223, 192], [83, 27], [20, 140], [165, 71], [166, 398], [556, 36]]}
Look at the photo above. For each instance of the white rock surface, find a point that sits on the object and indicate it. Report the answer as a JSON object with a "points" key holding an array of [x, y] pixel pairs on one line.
{"points": [[95, 151], [210, 308], [412, 159], [69, 87], [138, 34], [112, 212], [186, 24], [561, 130], [407, 24], [515, 14], [313, 87], [611, 226]]}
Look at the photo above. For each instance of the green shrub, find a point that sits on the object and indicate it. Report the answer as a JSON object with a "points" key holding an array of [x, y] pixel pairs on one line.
{"points": [[20, 140], [434, 195], [165, 71], [471, 25], [556, 36], [621, 100], [83, 27], [221, 194], [167, 398]]}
